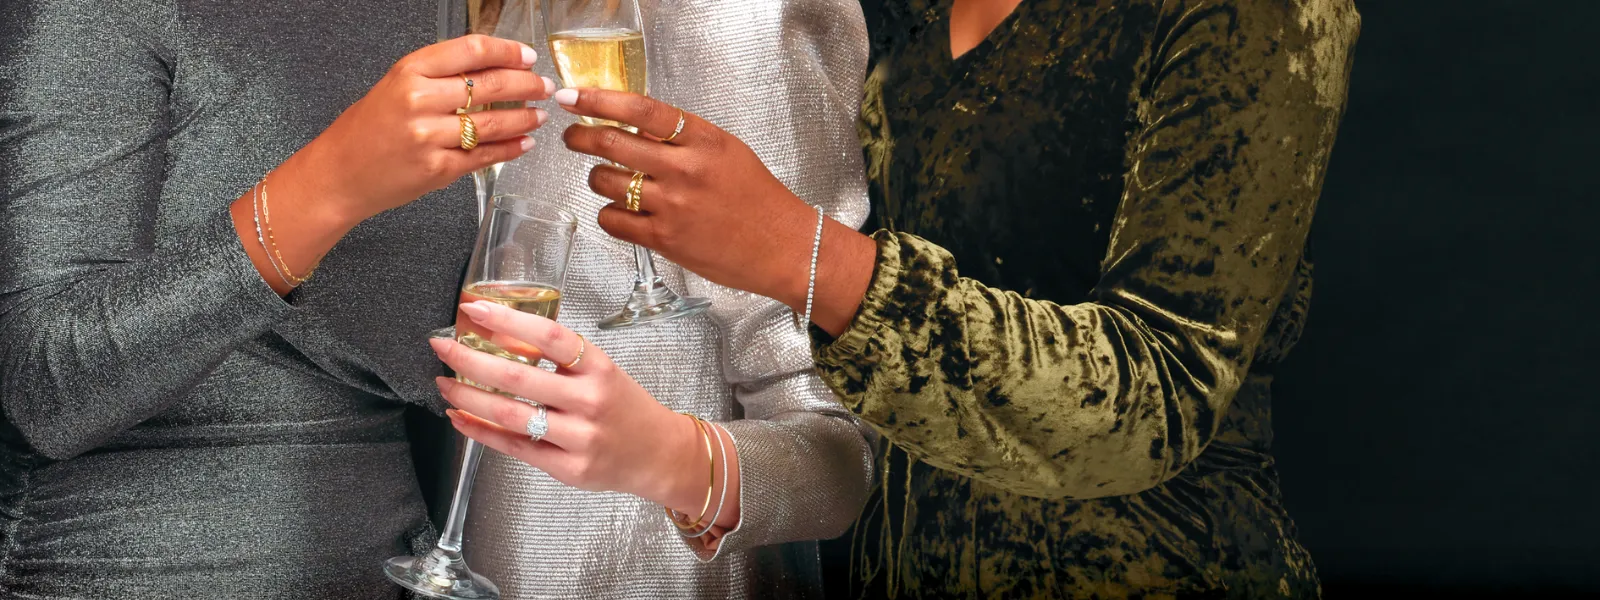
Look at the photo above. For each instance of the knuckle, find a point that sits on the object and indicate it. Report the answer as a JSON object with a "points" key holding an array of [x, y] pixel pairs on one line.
{"points": [[435, 166], [507, 413], [670, 198], [551, 337], [513, 376], [645, 108], [610, 138], [692, 169], [416, 100], [477, 45], [582, 468], [583, 436], [489, 81], [420, 133]]}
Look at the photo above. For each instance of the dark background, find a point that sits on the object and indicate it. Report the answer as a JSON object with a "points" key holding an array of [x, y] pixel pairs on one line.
{"points": [[1434, 426]]}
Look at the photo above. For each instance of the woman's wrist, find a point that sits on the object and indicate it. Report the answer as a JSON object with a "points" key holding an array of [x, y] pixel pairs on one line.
{"points": [[684, 472], [846, 260]]}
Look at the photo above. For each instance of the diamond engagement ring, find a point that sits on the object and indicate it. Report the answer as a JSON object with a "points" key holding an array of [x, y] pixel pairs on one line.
{"points": [[539, 423]]}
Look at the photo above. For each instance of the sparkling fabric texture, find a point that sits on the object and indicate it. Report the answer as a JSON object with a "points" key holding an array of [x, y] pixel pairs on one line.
{"points": [[786, 77], [173, 429]]}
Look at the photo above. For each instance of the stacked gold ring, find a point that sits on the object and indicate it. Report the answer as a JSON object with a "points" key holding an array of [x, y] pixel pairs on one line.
{"points": [[635, 191], [469, 129]]}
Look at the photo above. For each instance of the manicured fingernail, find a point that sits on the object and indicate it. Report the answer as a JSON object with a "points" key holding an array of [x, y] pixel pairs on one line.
{"points": [[529, 56], [527, 143], [549, 86], [455, 415], [439, 344], [476, 310], [443, 382], [566, 97], [543, 116]]}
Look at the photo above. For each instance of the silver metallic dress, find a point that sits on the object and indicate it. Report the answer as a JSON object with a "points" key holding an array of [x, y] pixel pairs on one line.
{"points": [[785, 77]]}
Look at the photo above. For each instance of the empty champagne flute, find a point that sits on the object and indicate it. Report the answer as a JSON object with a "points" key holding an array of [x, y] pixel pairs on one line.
{"points": [[600, 44], [520, 261]]}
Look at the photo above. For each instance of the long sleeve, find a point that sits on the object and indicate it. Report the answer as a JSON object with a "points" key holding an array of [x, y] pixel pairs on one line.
{"points": [[805, 462], [1232, 126], [103, 326]]}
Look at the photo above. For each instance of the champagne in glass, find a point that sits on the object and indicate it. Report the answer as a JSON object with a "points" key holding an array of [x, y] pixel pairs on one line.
{"points": [[520, 261], [525, 296], [605, 58], [600, 44]]}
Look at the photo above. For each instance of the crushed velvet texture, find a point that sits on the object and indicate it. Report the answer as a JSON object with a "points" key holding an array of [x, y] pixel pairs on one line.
{"points": [[1092, 254]]}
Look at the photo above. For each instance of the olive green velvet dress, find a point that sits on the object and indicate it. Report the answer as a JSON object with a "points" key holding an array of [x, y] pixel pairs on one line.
{"points": [[1092, 256]]}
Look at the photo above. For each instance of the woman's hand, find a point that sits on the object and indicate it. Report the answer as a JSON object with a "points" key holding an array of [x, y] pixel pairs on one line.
{"points": [[403, 139], [710, 205], [400, 141], [605, 432]]}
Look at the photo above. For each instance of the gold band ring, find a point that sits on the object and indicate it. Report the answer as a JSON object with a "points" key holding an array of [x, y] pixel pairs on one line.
{"points": [[469, 133], [635, 191], [468, 106], [676, 130], [582, 344]]}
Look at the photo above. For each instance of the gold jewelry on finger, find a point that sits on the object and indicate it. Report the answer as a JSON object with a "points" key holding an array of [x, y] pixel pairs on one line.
{"points": [[468, 106], [582, 344], [676, 130], [635, 191], [469, 132]]}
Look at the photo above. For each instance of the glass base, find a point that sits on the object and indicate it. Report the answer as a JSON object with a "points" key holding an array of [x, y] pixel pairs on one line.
{"points": [[653, 301], [440, 574]]}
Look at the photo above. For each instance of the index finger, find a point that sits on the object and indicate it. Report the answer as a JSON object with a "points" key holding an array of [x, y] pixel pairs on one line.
{"points": [[558, 344], [650, 115], [470, 53]]}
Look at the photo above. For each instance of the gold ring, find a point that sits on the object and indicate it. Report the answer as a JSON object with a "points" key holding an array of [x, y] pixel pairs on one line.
{"points": [[468, 106], [582, 344], [635, 190], [469, 132], [676, 130]]}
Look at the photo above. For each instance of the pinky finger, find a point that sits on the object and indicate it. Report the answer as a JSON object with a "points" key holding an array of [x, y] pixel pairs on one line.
{"points": [[539, 455], [492, 153]]}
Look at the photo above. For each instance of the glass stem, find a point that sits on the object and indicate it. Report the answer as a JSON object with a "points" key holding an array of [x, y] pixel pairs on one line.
{"points": [[645, 262], [484, 180], [450, 538]]}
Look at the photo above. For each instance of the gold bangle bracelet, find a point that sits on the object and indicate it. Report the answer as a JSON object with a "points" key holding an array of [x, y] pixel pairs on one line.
{"points": [[710, 485]]}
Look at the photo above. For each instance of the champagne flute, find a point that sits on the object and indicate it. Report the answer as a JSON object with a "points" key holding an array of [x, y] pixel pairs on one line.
{"points": [[509, 19], [520, 261], [600, 44]]}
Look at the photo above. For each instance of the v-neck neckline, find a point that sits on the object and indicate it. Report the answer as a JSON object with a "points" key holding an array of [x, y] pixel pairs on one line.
{"points": [[985, 45]]}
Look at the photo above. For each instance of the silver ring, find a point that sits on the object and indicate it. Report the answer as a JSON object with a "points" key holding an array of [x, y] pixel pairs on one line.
{"points": [[539, 423]]}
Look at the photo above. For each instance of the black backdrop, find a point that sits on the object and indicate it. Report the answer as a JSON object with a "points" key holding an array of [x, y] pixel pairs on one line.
{"points": [[1433, 426]]}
